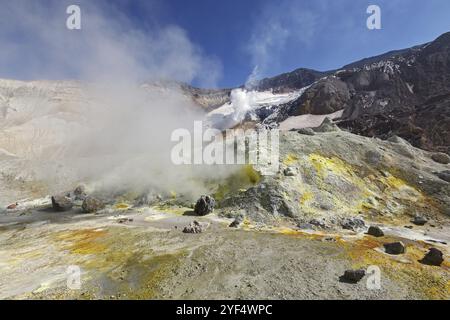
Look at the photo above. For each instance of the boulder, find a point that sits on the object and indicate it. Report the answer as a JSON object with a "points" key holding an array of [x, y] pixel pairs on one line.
{"points": [[290, 171], [353, 276], [441, 157], [434, 257], [62, 203], [395, 248], [375, 231], [91, 205], [354, 224], [419, 220], [196, 227], [204, 205]]}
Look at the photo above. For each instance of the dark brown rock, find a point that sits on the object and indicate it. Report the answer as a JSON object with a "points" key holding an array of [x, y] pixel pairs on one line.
{"points": [[204, 205], [12, 206], [434, 257], [375, 231], [395, 248], [419, 220], [353, 276]]}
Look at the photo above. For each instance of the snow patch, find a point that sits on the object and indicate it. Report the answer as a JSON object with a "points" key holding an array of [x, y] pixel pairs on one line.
{"points": [[308, 120]]}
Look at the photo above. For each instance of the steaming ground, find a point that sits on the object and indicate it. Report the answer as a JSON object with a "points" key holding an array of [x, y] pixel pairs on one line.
{"points": [[55, 135]]}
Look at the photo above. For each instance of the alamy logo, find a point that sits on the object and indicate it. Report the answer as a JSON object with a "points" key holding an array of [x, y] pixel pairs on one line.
{"points": [[374, 278], [73, 22], [73, 277], [374, 20], [234, 146]]}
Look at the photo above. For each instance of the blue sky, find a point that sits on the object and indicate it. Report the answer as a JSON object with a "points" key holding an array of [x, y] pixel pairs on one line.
{"points": [[278, 36], [339, 33]]}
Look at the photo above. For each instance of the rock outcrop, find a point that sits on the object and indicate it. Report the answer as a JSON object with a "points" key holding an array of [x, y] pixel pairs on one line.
{"points": [[92, 205], [375, 231], [204, 205], [62, 203]]}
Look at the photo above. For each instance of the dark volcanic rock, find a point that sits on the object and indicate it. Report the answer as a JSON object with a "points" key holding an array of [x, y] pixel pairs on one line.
{"points": [[419, 220], [91, 205], [434, 257], [353, 276], [204, 205], [354, 224], [196, 227], [375, 231], [62, 203], [404, 93], [395, 248]]}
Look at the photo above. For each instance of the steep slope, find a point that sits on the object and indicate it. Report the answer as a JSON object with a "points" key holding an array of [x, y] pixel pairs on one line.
{"points": [[403, 93]]}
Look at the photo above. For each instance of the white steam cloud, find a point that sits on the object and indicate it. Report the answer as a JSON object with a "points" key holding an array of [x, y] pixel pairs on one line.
{"points": [[122, 140]]}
